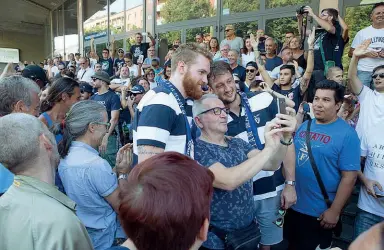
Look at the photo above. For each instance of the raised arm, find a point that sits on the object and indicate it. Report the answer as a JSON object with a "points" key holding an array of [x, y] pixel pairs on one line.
{"points": [[153, 41], [345, 28], [266, 88], [304, 82], [112, 52], [324, 24], [362, 50], [93, 54]]}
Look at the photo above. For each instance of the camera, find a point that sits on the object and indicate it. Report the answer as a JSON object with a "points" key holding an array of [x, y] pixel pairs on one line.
{"points": [[301, 11]]}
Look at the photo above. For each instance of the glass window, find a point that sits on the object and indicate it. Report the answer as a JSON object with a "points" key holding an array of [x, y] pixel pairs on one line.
{"points": [[170, 37], [119, 44], [170, 11], [71, 30], [116, 17], [135, 13], [59, 38], [283, 3], [238, 6], [277, 28], [244, 28], [96, 24], [206, 32]]}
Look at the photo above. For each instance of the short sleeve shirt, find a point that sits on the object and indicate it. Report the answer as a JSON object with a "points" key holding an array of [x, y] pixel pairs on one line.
{"points": [[110, 100], [230, 210], [236, 44], [107, 65], [272, 63], [335, 148], [138, 50], [240, 71], [293, 94], [118, 63]]}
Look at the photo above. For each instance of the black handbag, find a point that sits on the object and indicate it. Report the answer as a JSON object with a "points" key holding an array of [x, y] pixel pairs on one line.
{"points": [[338, 228], [247, 238]]}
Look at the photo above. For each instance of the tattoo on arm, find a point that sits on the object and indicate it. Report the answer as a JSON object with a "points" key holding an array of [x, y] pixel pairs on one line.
{"points": [[143, 151], [259, 60]]}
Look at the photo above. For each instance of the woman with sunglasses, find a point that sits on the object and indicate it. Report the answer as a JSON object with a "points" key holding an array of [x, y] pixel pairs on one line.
{"points": [[89, 179]]}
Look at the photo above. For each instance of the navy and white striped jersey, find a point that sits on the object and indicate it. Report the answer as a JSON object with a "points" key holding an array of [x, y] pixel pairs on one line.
{"points": [[266, 184], [159, 122]]}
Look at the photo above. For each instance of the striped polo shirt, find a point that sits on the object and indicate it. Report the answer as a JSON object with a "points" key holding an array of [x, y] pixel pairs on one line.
{"points": [[266, 184], [159, 122]]}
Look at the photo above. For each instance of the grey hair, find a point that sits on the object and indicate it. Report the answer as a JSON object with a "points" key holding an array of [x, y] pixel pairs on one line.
{"points": [[77, 121], [224, 45], [14, 89], [198, 105], [234, 51], [19, 136]]}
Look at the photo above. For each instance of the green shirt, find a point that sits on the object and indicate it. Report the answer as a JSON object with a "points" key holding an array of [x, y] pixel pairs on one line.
{"points": [[36, 215]]}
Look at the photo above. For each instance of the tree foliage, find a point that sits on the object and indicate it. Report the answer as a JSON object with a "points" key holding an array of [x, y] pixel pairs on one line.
{"points": [[283, 3], [181, 10], [238, 6], [277, 28]]}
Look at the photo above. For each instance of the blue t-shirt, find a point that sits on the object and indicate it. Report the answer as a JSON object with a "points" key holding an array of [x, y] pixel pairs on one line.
{"points": [[118, 63], [230, 210], [107, 65], [335, 148], [240, 71], [272, 63], [110, 100], [293, 94], [6, 179]]}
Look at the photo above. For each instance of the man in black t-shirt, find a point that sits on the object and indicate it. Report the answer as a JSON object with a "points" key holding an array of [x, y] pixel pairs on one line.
{"points": [[141, 48], [106, 60], [328, 35]]}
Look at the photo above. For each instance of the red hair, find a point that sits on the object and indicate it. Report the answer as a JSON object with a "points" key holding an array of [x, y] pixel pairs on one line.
{"points": [[165, 202]]}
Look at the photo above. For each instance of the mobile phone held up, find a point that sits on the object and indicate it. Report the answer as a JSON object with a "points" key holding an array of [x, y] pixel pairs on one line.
{"points": [[140, 59], [281, 107]]}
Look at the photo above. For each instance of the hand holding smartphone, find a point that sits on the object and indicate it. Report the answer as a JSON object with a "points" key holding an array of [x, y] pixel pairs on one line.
{"points": [[281, 107]]}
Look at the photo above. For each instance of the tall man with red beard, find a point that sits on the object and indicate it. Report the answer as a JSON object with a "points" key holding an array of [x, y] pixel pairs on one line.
{"points": [[161, 123]]}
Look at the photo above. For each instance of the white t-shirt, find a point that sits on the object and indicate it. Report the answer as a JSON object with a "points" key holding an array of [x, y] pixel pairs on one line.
{"points": [[135, 69], [377, 44], [85, 76], [247, 58], [371, 110], [54, 70], [372, 147]]}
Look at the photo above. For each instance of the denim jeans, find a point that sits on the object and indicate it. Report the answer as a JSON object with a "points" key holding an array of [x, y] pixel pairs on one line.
{"points": [[364, 221], [365, 77]]}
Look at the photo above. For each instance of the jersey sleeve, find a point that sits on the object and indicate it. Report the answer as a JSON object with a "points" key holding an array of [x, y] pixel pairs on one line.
{"points": [[104, 180], [115, 104], [349, 159]]}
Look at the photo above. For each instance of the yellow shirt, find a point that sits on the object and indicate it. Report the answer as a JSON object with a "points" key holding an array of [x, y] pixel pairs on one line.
{"points": [[36, 215]]}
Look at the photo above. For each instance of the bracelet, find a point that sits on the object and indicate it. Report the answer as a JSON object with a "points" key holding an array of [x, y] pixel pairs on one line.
{"points": [[286, 143]]}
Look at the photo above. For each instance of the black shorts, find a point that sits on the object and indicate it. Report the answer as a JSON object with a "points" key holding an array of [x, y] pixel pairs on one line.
{"points": [[303, 232]]}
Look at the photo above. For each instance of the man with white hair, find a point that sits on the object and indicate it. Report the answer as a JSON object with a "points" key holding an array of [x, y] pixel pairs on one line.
{"points": [[234, 162], [17, 95], [86, 72], [33, 209]]}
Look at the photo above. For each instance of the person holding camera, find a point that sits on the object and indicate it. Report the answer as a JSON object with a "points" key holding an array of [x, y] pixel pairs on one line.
{"points": [[327, 39]]}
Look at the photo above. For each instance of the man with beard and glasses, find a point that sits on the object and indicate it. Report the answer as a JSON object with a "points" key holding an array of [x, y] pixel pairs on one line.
{"points": [[34, 214], [247, 118], [161, 122]]}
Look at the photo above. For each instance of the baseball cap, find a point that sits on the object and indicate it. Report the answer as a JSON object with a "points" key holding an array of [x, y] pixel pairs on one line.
{"points": [[252, 64], [137, 89], [101, 75], [120, 49], [86, 87], [35, 72]]}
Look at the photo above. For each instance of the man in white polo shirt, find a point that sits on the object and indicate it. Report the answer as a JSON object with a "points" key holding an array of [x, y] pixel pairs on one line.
{"points": [[85, 73]]}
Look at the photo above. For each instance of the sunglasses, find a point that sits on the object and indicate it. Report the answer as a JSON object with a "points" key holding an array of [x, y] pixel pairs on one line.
{"points": [[250, 70], [105, 52], [237, 81], [216, 111], [228, 30], [107, 124], [381, 75], [280, 221], [120, 51], [127, 61]]}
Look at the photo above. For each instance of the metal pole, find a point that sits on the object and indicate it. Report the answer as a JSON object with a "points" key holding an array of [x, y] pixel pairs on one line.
{"points": [[144, 16], [63, 18], [108, 20], [125, 25], [51, 33], [80, 25]]}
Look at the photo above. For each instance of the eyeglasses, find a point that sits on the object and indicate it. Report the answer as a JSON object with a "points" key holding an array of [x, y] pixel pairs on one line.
{"points": [[216, 111], [107, 124], [105, 52], [381, 75], [82, 63], [127, 61], [280, 221], [228, 30], [250, 70], [120, 51]]}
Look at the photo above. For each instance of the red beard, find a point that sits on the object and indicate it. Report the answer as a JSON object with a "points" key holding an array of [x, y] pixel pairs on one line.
{"points": [[192, 87]]}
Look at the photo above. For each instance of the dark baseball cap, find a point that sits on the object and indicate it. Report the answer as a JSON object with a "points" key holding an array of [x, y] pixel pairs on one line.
{"points": [[102, 75], [137, 89], [252, 64], [86, 87], [35, 72]]}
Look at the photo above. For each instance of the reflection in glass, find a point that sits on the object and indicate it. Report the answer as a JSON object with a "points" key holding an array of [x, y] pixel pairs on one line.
{"points": [[134, 14], [97, 23], [242, 29], [238, 6], [283, 3], [277, 28], [207, 33], [116, 13], [170, 37], [170, 11], [71, 31]]}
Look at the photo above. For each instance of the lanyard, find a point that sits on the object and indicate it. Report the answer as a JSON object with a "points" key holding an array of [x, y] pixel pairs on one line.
{"points": [[250, 124], [181, 102]]}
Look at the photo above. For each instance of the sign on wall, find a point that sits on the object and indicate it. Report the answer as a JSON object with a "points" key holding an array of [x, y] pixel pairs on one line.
{"points": [[9, 55]]}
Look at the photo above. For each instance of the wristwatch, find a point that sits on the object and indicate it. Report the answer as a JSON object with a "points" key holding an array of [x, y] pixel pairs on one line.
{"points": [[290, 141], [292, 183], [122, 177]]}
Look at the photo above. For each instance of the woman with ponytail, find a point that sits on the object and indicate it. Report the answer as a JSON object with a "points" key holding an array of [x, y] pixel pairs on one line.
{"points": [[63, 93], [89, 179]]}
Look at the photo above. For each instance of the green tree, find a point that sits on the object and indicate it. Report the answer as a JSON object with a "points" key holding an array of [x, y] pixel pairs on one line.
{"points": [[181, 10], [282, 3], [237, 6], [277, 28]]}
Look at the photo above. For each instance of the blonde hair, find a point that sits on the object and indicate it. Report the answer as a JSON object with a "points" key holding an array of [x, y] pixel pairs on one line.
{"points": [[188, 53]]}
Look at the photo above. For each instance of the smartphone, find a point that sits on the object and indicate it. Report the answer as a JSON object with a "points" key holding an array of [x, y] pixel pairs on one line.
{"points": [[140, 59], [281, 107]]}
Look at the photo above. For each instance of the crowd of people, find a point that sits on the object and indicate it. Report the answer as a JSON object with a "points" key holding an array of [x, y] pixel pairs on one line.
{"points": [[245, 143]]}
